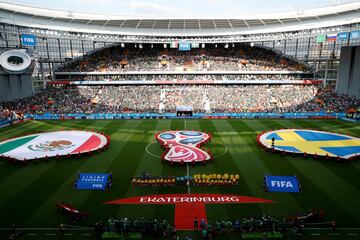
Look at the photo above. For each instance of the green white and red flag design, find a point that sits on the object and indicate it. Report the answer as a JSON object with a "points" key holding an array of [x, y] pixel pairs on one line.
{"points": [[51, 144]]}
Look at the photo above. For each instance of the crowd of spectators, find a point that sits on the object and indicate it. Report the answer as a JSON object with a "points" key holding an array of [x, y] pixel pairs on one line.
{"points": [[188, 77], [156, 58], [245, 225], [140, 225], [260, 77], [254, 227], [7, 115], [163, 98]]}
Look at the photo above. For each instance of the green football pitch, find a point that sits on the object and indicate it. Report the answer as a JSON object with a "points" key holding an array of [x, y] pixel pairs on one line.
{"points": [[29, 194]]}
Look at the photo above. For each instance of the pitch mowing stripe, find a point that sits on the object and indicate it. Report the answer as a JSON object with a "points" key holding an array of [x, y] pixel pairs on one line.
{"points": [[326, 125], [65, 192], [224, 164], [113, 156], [122, 167], [176, 170], [9, 129], [285, 203], [354, 126], [167, 211], [20, 130], [329, 125], [213, 212], [149, 163], [29, 179], [338, 190], [242, 157], [153, 166]]}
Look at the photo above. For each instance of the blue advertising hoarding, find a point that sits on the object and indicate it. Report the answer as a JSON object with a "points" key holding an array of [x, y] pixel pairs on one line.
{"points": [[92, 181], [28, 40], [184, 46], [282, 184], [50, 116], [342, 36], [355, 34]]}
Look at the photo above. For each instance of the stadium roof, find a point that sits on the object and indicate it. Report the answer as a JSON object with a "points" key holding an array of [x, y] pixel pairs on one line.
{"points": [[112, 24]]}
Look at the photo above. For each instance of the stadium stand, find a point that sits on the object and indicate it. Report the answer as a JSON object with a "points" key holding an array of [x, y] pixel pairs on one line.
{"points": [[95, 95], [240, 57], [219, 98], [88, 66]]}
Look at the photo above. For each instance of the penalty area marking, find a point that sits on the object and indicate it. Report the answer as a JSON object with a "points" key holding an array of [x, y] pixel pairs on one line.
{"points": [[158, 156]]}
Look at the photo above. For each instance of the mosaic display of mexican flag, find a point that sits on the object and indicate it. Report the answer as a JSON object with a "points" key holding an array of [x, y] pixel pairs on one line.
{"points": [[51, 144]]}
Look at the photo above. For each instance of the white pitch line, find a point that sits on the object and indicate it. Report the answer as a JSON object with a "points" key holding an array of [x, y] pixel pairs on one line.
{"points": [[187, 166], [187, 174], [47, 229], [357, 127], [342, 228], [150, 153], [226, 150]]}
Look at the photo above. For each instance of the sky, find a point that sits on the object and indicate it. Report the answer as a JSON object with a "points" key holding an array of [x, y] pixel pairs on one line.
{"points": [[181, 8]]}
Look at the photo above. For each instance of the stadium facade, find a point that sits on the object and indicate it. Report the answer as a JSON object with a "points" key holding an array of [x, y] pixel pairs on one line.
{"points": [[313, 36]]}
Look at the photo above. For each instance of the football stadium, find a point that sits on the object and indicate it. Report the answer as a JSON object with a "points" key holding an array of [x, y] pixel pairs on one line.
{"points": [[160, 120]]}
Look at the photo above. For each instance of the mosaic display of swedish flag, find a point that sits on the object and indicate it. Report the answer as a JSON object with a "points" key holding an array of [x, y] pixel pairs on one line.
{"points": [[312, 142]]}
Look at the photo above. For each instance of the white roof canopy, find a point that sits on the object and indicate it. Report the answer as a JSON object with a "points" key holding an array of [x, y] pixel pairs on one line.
{"points": [[244, 24]]}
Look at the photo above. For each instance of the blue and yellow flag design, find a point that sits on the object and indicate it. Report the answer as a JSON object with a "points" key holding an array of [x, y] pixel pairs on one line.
{"points": [[312, 142]]}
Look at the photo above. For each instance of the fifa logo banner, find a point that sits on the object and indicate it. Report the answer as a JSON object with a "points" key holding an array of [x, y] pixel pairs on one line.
{"points": [[343, 36], [281, 184], [92, 181], [184, 46], [184, 146], [28, 40]]}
